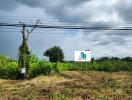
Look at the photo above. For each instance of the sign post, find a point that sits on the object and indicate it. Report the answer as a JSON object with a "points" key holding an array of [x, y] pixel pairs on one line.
{"points": [[83, 56]]}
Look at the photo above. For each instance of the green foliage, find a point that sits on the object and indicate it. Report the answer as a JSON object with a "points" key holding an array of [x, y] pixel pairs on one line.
{"points": [[11, 71], [107, 65], [62, 66], [70, 66], [4, 60], [59, 96], [37, 69], [42, 67], [34, 59], [24, 55], [55, 54], [9, 67], [114, 66], [128, 59]]}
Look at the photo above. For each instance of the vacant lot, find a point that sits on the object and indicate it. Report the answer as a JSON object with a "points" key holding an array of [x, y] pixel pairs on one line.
{"points": [[70, 85]]}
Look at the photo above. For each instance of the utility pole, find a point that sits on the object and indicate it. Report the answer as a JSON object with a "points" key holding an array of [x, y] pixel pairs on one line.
{"points": [[24, 53]]}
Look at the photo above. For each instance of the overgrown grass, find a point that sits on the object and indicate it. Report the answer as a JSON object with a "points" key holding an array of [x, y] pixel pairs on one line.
{"points": [[42, 67], [109, 66], [70, 85], [9, 67]]}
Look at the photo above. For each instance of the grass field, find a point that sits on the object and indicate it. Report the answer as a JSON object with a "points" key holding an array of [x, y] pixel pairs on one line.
{"points": [[70, 85]]}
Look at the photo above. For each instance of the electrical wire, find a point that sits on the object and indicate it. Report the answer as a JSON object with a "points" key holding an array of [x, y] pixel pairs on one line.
{"points": [[70, 27]]}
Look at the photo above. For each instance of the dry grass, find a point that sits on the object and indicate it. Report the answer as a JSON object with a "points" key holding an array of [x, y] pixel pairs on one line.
{"points": [[71, 85]]}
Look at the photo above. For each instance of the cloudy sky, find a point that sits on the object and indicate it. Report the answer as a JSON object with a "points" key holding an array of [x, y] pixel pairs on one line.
{"points": [[68, 12]]}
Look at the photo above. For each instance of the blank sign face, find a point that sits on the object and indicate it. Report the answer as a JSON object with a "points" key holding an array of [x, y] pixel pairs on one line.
{"points": [[23, 71], [82, 56]]}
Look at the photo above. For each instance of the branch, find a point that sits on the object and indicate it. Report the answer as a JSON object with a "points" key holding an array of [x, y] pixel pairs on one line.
{"points": [[32, 28], [38, 21]]}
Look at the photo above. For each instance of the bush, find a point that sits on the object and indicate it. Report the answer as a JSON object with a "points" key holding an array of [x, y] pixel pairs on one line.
{"points": [[114, 66], [107, 65], [9, 68], [12, 71], [67, 66], [42, 67]]}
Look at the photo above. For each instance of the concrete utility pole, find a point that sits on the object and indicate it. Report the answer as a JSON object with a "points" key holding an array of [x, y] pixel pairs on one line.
{"points": [[24, 51]]}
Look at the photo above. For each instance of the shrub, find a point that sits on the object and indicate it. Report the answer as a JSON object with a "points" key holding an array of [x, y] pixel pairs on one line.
{"points": [[12, 71], [65, 66], [9, 67], [107, 65], [4, 60], [114, 66], [42, 67]]}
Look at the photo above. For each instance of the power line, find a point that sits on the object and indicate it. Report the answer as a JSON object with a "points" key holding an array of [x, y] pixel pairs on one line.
{"points": [[70, 26], [59, 19]]}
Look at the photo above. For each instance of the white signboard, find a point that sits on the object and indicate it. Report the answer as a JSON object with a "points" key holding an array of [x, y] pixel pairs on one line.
{"points": [[83, 56], [23, 71]]}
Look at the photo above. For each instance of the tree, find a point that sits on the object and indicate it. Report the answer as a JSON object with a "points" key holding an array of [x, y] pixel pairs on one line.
{"points": [[24, 53], [128, 59], [55, 54], [104, 59]]}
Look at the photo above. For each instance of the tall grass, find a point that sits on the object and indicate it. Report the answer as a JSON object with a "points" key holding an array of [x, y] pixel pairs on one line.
{"points": [[108, 65], [9, 67]]}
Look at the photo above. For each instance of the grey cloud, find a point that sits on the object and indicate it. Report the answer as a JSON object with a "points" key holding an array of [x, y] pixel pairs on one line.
{"points": [[8, 4], [124, 9], [103, 43], [30, 3], [75, 11], [57, 9], [104, 38], [14, 4]]}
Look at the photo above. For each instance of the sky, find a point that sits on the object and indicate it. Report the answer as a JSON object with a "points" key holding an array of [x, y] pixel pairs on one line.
{"points": [[68, 12]]}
